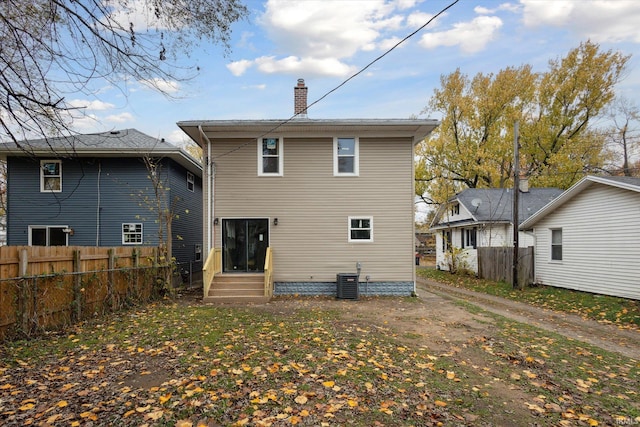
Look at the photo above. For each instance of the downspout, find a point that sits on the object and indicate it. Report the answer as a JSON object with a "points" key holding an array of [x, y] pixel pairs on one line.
{"points": [[210, 192], [98, 205]]}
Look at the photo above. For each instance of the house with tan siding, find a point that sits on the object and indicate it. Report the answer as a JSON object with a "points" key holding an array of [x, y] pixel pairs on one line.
{"points": [[291, 204], [587, 238]]}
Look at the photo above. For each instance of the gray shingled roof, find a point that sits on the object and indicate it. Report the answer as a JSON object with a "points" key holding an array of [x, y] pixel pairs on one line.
{"points": [[625, 182], [629, 180], [118, 143], [496, 204]]}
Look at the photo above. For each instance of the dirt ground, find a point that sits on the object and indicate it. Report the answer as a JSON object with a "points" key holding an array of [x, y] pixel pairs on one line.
{"points": [[435, 322]]}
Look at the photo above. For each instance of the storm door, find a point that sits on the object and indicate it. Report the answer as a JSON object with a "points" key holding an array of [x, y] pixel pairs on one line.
{"points": [[244, 244]]}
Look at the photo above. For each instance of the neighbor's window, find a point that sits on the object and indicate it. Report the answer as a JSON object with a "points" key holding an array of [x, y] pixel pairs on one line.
{"points": [[51, 176], [190, 181], [446, 240], [360, 229], [469, 236], [44, 235], [270, 159], [132, 234], [556, 244], [345, 156]]}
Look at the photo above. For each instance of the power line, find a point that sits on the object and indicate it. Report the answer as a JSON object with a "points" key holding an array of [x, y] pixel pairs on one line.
{"points": [[345, 81]]}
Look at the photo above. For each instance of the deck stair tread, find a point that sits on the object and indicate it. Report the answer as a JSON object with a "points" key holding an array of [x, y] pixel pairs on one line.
{"points": [[237, 288]]}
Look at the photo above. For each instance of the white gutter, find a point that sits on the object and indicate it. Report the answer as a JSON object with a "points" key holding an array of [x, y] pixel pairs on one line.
{"points": [[210, 194]]}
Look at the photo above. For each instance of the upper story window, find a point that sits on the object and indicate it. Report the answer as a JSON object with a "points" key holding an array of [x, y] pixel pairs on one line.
{"points": [[190, 182], [455, 209], [270, 158], [345, 156], [360, 229], [51, 176], [556, 244], [132, 234]]}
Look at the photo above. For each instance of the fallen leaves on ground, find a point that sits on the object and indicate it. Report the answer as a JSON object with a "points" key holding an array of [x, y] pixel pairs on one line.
{"points": [[191, 366]]}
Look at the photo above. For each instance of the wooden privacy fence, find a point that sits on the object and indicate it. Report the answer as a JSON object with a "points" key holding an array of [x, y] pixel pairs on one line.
{"points": [[47, 287], [496, 263]]}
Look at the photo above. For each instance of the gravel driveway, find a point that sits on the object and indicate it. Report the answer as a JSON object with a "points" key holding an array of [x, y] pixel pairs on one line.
{"points": [[606, 336]]}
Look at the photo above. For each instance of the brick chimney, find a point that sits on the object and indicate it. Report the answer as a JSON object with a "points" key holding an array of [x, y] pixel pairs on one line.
{"points": [[524, 183], [300, 99]]}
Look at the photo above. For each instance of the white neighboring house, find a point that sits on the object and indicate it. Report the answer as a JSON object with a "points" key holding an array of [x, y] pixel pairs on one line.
{"points": [[587, 238], [482, 217]]}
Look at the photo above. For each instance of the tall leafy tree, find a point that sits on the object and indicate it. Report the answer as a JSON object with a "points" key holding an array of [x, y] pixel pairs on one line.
{"points": [[473, 146], [52, 48]]}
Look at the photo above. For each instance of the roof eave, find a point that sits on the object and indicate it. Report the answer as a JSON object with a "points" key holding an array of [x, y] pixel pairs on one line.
{"points": [[179, 156], [418, 130]]}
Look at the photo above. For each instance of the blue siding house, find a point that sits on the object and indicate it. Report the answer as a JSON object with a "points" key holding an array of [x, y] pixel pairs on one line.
{"points": [[97, 190]]}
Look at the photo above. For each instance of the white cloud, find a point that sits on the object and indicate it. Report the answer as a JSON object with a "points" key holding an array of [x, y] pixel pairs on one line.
{"points": [[547, 13], [470, 36], [599, 20], [95, 105], [509, 7], [137, 13], [323, 29], [162, 85], [389, 43], [418, 19], [178, 137], [317, 37], [259, 87], [303, 66], [85, 124], [238, 68], [120, 118]]}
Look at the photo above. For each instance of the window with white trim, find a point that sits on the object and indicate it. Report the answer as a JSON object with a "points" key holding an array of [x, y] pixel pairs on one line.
{"points": [[190, 182], [360, 229], [469, 238], [345, 156], [556, 244], [50, 176], [132, 233], [270, 157], [447, 238]]}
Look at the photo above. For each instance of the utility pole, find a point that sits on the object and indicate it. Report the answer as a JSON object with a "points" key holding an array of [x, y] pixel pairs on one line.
{"points": [[516, 194]]}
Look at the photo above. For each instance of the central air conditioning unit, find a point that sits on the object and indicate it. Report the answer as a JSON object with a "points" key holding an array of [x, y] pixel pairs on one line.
{"points": [[347, 284]]}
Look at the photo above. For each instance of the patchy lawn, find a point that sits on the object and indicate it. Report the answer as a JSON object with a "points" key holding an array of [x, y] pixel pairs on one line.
{"points": [[624, 313], [314, 362]]}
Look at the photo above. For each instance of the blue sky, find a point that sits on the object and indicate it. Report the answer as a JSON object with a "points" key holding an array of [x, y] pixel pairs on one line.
{"points": [[327, 41]]}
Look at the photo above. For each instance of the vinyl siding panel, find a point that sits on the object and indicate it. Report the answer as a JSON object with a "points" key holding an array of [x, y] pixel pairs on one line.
{"points": [[187, 208], [600, 248], [98, 196], [310, 242]]}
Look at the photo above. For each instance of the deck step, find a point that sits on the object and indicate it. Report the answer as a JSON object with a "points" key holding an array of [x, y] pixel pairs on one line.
{"points": [[236, 299], [237, 288]]}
